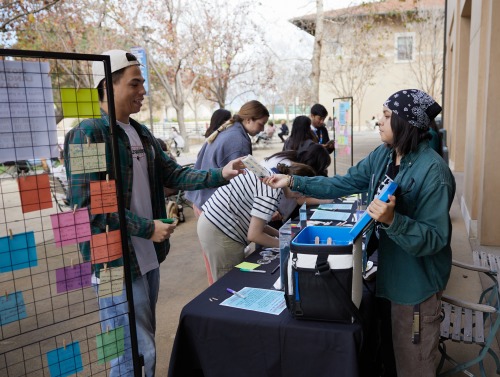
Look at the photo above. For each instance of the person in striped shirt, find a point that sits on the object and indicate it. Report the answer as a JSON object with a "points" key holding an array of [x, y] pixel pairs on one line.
{"points": [[238, 213]]}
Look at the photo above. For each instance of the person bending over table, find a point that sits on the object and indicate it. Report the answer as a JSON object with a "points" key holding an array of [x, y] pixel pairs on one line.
{"points": [[237, 214], [412, 231]]}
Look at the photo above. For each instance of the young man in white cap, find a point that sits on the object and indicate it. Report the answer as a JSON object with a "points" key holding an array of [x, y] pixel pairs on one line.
{"points": [[412, 232], [144, 170]]}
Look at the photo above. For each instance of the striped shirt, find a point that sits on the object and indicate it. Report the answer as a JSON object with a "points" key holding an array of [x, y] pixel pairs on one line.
{"points": [[231, 207]]}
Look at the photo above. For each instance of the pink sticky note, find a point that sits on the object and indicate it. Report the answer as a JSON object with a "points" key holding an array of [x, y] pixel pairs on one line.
{"points": [[73, 277], [70, 228]]}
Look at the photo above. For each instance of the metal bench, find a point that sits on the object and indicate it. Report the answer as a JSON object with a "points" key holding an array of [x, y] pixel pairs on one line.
{"points": [[472, 323]]}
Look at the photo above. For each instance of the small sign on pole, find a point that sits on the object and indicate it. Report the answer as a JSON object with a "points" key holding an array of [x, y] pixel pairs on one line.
{"points": [[141, 55]]}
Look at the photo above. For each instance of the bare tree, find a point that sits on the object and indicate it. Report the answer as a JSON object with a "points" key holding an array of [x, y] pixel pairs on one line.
{"points": [[355, 48], [14, 13], [427, 64]]}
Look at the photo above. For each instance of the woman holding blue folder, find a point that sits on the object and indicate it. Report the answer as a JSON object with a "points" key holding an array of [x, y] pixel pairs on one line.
{"points": [[412, 231]]}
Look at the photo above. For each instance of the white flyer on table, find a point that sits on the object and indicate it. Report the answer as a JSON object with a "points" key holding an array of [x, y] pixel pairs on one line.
{"points": [[258, 299]]}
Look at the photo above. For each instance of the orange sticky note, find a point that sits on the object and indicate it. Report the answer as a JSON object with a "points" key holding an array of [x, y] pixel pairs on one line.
{"points": [[103, 197], [105, 247], [35, 192]]}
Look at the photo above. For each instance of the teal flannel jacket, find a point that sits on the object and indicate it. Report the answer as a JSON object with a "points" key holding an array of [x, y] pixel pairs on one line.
{"points": [[163, 172]]}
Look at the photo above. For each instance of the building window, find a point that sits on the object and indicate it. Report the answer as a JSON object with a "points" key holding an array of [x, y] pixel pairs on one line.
{"points": [[404, 47]]}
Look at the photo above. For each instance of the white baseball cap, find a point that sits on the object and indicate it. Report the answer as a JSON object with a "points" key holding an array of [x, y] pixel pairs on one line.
{"points": [[119, 59]]}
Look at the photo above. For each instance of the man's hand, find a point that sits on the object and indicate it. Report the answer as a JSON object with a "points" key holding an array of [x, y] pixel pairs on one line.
{"points": [[330, 146], [233, 168], [382, 211], [276, 181], [162, 231]]}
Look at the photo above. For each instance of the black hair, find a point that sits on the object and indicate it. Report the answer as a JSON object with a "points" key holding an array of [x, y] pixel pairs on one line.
{"points": [[316, 156], [219, 117], [115, 77], [405, 136], [318, 109], [301, 131]]}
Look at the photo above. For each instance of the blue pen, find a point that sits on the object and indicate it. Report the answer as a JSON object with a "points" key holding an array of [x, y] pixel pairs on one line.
{"points": [[232, 291]]}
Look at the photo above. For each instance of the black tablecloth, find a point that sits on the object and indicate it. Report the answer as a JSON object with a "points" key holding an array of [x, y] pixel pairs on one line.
{"points": [[219, 341]]}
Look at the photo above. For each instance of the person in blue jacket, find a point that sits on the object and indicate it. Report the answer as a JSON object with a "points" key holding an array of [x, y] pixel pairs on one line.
{"points": [[412, 232]]}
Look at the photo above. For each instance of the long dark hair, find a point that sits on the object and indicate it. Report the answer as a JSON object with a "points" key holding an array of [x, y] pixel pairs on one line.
{"points": [[219, 117], [405, 136], [316, 156], [301, 131]]}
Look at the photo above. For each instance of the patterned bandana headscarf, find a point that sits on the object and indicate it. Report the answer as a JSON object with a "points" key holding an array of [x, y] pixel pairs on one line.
{"points": [[416, 107]]}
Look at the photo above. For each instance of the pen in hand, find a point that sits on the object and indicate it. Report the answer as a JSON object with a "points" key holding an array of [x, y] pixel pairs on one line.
{"points": [[232, 291]]}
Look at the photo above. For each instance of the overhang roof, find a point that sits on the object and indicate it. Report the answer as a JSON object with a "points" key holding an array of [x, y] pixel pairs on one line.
{"points": [[387, 7]]}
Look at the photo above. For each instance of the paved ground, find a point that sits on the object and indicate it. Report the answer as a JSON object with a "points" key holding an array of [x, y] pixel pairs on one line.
{"points": [[184, 277]]}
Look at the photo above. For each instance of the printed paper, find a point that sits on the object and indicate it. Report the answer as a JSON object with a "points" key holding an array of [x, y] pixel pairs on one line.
{"points": [[103, 197], [35, 192], [110, 282], [70, 228], [73, 277], [105, 247], [110, 345], [87, 158], [18, 252], [65, 361]]}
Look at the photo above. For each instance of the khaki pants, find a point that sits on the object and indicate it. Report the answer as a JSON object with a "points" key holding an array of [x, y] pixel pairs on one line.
{"points": [[417, 360], [222, 252]]}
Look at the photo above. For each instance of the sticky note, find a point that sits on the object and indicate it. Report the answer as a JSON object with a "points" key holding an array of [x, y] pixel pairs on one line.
{"points": [[110, 345], [70, 228], [80, 103], [103, 197], [87, 158], [35, 192], [18, 252], [110, 282], [73, 277], [247, 265], [12, 308], [65, 361], [105, 247]]}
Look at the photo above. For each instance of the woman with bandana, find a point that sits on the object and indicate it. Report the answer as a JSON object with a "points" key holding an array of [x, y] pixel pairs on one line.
{"points": [[412, 231]]}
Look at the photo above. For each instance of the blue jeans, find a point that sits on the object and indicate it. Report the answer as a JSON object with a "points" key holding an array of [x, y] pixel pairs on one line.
{"points": [[114, 313]]}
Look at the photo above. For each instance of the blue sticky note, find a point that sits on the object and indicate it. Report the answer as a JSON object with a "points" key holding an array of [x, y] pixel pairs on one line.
{"points": [[12, 308], [18, 252], [65, 361]]}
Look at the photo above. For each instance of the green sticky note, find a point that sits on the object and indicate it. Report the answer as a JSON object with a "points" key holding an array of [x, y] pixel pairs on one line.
{"points": [[80, 103], [247, 265], [110, 345]]}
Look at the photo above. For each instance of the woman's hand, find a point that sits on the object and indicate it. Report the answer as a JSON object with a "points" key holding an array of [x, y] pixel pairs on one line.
{"points": [[382, 211], [233, 168], [276, 181]]}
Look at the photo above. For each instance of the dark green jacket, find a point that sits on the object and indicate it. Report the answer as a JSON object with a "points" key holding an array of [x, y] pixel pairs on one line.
{"points": [[414, 251]]}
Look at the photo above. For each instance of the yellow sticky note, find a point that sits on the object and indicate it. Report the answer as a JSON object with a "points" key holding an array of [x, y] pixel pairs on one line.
{"points": [[247, 265], [80, 103], [87, 158], [111, 282]]}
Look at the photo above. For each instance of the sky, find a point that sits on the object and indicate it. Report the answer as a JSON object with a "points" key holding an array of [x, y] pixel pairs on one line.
{"points": [[286, 39]]}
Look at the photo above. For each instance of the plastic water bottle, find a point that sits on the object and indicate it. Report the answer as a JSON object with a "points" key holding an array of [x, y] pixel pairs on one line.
{"points": [[285, 237], [303, 216]]}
